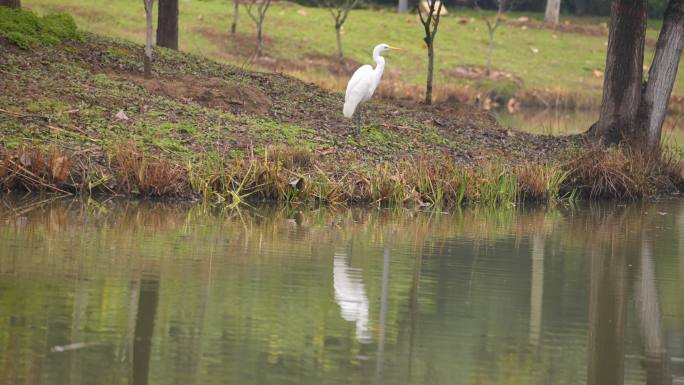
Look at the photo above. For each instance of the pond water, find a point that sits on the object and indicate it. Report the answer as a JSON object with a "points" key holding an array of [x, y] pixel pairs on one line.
{"points": [[566, 122], [149, 293]]}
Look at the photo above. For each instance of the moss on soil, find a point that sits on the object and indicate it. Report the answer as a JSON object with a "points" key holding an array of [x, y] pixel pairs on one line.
{"points": [[25, 29]]}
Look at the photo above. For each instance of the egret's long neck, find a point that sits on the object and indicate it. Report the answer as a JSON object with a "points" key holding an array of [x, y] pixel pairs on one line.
{"points": [[380, 62]]}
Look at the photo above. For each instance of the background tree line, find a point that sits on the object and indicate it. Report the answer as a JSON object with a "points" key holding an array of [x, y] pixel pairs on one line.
{"points": [[655, 8]]}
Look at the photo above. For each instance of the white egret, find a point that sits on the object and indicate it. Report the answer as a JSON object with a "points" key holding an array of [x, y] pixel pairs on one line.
{"points": [[362, 85]]}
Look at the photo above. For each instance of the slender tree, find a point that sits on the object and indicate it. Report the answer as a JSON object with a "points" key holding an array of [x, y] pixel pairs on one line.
{"points": [[256, 9], [10, 3], [236, 13], [167, 24], [339, 9], [149, 4], [631, 111], [430, 19], [552, 13], [502, 6]]}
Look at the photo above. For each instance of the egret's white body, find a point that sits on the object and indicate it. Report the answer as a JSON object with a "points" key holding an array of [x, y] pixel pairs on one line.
{"points": [[363, 83]]}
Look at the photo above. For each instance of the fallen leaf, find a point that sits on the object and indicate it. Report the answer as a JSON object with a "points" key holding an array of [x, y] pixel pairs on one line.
{"points": [[121, 115], [302, 12], [534, 50], [597, 73]]}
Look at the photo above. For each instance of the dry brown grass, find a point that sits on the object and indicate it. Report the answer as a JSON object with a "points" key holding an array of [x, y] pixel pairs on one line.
{"points": [[625, 173], [148, 175], [33, 169], [296, 175], [291, 157]]}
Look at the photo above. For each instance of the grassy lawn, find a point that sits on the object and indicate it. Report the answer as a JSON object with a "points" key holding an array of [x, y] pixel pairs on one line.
{"points": [[549, 60]]}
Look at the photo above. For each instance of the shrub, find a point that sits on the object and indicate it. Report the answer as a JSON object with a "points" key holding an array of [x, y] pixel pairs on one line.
{"points": [[26, 29]]}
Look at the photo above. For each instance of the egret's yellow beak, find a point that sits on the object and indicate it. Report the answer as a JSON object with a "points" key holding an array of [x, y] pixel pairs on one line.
{"points": [[395, 48]]}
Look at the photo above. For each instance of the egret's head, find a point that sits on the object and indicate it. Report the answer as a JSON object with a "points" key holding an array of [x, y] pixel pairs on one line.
{"points": [[386, 47]]}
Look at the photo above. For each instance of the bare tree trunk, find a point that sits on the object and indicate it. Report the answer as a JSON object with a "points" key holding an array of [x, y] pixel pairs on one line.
{"points": [[260, 39], [340, 54], [663, 72], [490, 52], [167, 24], [403, 6], [431, 66], [236, 13], [624, 72], [10, 3], [261, 8], [430, 23], [148, 44], [552, 13]]}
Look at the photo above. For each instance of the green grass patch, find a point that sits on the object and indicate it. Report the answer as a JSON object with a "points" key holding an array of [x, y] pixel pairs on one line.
{"points": [[542, 58], [26, 29]]}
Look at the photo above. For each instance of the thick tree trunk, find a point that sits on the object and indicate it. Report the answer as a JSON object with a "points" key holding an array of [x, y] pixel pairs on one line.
{"points": [[167, 24], [148, 45], [403, 6], [552, 12], [340, 54], [431, 65], [236, 13], [10, 3], [663, 73], [623, 74]]}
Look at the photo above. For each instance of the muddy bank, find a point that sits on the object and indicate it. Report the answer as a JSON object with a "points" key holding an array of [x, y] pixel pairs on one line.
{"points": [[79, 118]]}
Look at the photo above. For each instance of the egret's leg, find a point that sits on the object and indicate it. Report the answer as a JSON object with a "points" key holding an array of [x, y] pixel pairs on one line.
{"points": [[355, 119], [358, 120]]}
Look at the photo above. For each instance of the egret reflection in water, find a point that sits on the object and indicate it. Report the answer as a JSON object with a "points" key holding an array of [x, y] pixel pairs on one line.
{"points": [[350, 295]]}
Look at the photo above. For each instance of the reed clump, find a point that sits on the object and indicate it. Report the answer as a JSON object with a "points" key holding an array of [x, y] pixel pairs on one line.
{"points": [[625, 173], [148, 175], [542, 182], [296, 175]]}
